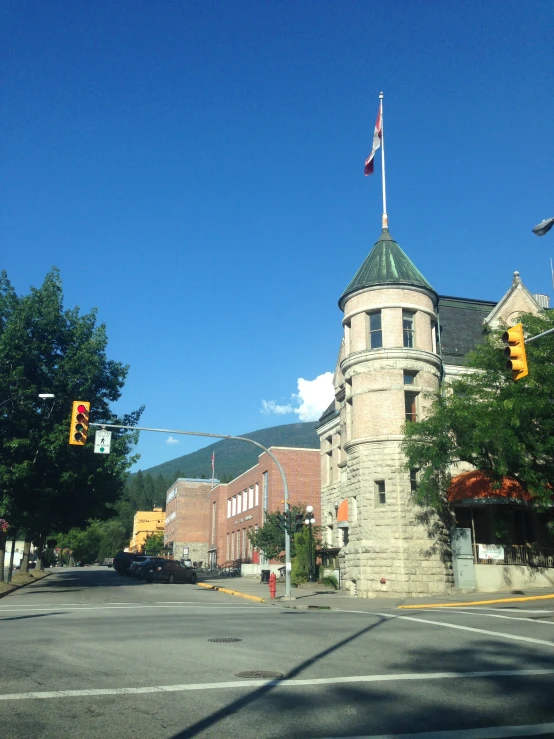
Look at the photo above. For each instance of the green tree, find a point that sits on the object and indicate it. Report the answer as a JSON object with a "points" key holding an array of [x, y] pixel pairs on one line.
{"points": [[499, 426], [269, 538], [154, 543], [45, 483]]}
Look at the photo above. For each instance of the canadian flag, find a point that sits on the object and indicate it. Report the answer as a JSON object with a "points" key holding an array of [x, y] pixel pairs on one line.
{"points": [[377, 133]]}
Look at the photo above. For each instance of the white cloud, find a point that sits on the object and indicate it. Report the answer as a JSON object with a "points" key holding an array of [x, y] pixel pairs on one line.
{"points": [[312, 399], [314, 396], [270, 406], [170, 440]]}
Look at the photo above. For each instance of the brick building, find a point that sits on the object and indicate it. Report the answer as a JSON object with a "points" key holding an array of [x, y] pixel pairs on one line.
{"points": [[213, 523], [239, 506], [187, 514]]}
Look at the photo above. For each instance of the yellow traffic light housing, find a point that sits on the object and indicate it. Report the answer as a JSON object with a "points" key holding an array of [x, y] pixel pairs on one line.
{"points": [[78, 431], [515, 352]]}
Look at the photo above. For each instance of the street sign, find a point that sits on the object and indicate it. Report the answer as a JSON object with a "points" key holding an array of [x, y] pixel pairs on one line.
{"points": [[102, 441]]}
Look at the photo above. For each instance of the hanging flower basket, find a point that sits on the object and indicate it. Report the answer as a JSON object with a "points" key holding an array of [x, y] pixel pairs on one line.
{"points": [[4, 525]]}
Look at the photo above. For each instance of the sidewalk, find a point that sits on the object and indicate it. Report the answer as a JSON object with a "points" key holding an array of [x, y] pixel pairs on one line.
{"points": [[339, 600]]}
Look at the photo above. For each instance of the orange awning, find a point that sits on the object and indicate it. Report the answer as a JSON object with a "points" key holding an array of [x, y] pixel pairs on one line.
{"points": [[476, 485], [342, 513]]}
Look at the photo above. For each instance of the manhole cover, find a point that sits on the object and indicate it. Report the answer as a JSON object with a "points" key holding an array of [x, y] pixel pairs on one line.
{"points": [[224, 638], [260, 675]]}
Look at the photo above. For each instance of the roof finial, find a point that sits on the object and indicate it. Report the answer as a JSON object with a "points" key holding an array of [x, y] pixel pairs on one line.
{"points": [[517, 279]]}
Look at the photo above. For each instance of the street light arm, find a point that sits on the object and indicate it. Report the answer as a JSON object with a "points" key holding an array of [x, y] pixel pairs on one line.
{"points": [[236, 438]]}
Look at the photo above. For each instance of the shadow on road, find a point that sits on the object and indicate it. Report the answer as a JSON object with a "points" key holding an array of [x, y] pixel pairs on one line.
{"points": [[246, 700], [34, 615], [424, 704]]}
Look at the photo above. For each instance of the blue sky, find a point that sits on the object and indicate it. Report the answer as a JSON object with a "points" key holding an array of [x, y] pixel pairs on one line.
{"points": [[195, 170]]}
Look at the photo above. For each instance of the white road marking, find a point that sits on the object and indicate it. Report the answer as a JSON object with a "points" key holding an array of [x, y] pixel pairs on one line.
{"points": [[448, 625], [118, 608], [493, 615], [233, 685], [512, 609], [491, 732]]}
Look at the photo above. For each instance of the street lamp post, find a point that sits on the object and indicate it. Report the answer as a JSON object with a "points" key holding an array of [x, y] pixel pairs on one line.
{"points": [[543, 227], [288, 595], [310, 520]]}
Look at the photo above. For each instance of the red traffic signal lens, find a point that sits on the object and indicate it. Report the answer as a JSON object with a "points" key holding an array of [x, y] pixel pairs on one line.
{"points": [[81, 409]]}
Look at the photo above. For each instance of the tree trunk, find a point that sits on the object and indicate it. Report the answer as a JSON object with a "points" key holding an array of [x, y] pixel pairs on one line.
{"points": [[2, 554], [25, 558], [40, 554], [10, 568]]}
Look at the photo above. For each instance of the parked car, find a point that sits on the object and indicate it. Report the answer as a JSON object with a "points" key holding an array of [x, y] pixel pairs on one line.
{"points": [[122, 561], [139, 559], [145, 569], [108, 562], [171, 571]]}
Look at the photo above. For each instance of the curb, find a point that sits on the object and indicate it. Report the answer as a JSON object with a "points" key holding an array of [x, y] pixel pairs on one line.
{"points": [[480, 602], [231, 592], [18, 587]]}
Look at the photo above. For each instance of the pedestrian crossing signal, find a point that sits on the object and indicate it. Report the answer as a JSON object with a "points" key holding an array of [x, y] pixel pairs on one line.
{"points": [[78, 431]]}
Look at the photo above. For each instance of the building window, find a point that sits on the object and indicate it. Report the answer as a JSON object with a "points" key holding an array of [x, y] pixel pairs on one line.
{"points": [[251, 497], [264, 492], [410, 405], [256, 494], [380, 493], [408, 328], [347, 338], [434, 336], [375, 332], [213, 522], [228, 547], [229, 508], [234, 506], [409, 377], [413, 479], [245, 500], [239, 503]]}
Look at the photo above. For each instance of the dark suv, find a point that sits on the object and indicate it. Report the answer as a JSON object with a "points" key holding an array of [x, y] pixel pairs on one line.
{"points": [[122, 561], [171, 571]]}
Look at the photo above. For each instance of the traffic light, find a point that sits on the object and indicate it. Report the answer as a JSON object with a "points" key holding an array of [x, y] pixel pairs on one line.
{"points": [[283, 521], [298, 522], [78, 431], [515, 351]]}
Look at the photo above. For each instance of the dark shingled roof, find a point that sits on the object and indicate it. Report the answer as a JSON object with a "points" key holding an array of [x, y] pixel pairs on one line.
{"points": [[328, 413], [386, 264], [461, 322]]}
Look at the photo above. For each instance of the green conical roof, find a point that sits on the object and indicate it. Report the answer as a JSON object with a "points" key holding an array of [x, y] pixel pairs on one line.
{"points": [[386, 264]]}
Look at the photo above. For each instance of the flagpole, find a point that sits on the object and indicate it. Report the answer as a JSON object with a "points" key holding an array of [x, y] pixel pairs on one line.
{"points": [[213, 469], [384, 217]]}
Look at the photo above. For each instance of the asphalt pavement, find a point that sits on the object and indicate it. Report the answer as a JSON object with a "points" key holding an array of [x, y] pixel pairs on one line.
{"points": [[88, 654]]}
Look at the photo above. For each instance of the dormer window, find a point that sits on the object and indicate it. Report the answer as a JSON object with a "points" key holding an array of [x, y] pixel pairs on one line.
{"points": [[375, 331]]}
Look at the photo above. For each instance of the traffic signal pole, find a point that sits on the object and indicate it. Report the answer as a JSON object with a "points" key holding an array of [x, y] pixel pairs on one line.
{"points": [[236, 438]]}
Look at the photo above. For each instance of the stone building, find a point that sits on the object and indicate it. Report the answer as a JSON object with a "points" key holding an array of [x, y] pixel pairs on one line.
{"points": [[401, 340]]}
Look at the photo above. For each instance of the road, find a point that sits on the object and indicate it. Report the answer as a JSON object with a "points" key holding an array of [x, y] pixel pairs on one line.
{"points": [[88, 654]]}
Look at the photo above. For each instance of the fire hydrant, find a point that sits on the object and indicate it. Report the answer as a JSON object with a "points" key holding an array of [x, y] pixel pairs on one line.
{"points": [[272, 585]]}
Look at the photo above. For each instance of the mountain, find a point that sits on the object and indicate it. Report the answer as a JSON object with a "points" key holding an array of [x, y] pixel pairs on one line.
{"points": [[233, 457]]}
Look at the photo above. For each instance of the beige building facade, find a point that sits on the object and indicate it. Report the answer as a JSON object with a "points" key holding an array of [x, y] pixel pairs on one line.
{"points": [[400, 342]]}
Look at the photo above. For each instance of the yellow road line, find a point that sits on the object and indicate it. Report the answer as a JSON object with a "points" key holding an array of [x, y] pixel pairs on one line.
{"points": [[231, 592], [481, 602]]}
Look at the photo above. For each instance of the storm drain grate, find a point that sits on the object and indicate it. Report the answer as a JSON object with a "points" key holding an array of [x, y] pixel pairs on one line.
{"points": [[224, 638], [260, 675]]}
